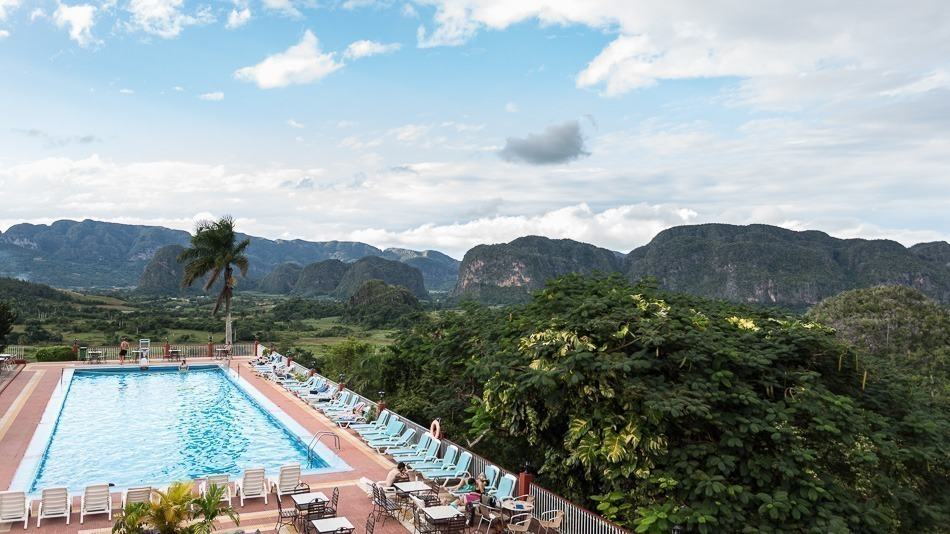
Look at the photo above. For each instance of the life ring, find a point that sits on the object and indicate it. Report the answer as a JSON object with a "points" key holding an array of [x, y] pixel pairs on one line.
{"points": [[435, 429]]}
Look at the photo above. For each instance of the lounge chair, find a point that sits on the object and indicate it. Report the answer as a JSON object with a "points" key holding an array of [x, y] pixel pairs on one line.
{"points": [[332, 403], [451, 453], [54, 502], [223, 481], [378, 424], [491, 477], [96, 499], [458, 471], [380, 428], [14, 508], [431, 454], [286, 481], [382, 444], [139, 494], [252, 486], [346, 406], [506, 488], [345, 412], [418, 448], [392, 430], [345, 420]]}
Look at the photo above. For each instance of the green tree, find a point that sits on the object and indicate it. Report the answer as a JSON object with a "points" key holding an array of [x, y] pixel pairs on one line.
{"points": [[175, 510], [214, 252], [7, 318]]}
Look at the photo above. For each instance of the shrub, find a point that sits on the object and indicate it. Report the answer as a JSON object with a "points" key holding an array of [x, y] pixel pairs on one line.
{"points": [[55, 354]]}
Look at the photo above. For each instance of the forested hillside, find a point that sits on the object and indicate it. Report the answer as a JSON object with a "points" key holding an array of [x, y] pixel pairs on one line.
{"points": [[661, 409]]}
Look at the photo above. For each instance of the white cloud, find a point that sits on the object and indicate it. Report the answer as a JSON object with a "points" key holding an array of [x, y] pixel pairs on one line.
{"points": [[939, 79], [410, 132], [80, 19], [215, 96], [37, 13], [364, 48], [126, 91], [239, 16], [619, 228], [6, 6], [178, 88], [409, 12], [511, 107], [683, 39], [300, 64], [4, 34], [294, 124], [346, 124], [284, 6], [164, 18]]}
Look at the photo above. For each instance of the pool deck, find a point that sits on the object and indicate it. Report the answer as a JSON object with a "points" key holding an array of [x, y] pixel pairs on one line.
{"points": [[23, 401]]}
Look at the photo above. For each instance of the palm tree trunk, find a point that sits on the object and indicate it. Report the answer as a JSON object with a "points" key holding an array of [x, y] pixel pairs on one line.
{"points": [[228, 332]]}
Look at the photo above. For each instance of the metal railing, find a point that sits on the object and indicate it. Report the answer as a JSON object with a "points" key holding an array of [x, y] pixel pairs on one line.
{"points": [[577, 519], [157, 350]]}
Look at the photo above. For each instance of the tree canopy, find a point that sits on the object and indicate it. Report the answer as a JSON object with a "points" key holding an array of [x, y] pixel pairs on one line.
{"points": [[663, 409]]}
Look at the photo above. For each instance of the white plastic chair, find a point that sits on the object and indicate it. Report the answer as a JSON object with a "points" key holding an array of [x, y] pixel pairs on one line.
{"points": [[287, 480], [14, 508], [54, 502], [253, 485], [134, 495], [96, 499], [223, 481]]}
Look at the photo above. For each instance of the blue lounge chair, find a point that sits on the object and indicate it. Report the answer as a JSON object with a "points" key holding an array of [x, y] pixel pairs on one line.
{"points": [[451, 453], [418, 448], [506, 488], [375, 426], [403, 439], [430, 454], [451, 472], [393, 428]]}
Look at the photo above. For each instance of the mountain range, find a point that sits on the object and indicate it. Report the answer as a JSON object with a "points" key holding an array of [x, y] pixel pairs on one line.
{"points": [[756, 263]]}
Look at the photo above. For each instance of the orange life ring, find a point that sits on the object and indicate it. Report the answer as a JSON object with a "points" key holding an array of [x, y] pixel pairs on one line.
{"points": [[435, 429]]}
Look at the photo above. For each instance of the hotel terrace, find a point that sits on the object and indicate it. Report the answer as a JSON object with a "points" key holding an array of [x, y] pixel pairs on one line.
{"points": [[79, 427]]}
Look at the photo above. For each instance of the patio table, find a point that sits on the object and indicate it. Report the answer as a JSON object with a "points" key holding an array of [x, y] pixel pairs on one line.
{"points": [[301, 500], [331, 524]]}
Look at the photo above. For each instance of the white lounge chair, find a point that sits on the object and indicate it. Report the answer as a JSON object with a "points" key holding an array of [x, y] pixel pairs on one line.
{"points": [[223, 481], [95, 500], [134, 495], [14, 508], [54, 502], [286, 481], [253, 485]]}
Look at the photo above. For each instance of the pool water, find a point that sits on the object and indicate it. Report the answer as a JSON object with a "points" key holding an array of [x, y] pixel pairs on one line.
{"points": [[132, 427]]}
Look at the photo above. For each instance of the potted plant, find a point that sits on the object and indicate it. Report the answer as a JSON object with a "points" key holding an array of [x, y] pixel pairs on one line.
{"points": [[175, 511]]}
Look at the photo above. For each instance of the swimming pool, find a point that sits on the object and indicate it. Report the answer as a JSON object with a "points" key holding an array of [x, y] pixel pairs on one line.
{"points": [[132, 427]]}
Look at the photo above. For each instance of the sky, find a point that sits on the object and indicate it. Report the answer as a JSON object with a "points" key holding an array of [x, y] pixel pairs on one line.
{"points": [[448, 123]]}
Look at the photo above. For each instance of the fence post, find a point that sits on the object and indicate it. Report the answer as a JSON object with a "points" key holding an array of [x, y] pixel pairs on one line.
{"points": [[525, 478]]}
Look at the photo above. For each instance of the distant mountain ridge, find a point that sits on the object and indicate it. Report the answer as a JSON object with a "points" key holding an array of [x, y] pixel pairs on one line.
{"points": [[92, 254], [770, 265], [754, 264]]}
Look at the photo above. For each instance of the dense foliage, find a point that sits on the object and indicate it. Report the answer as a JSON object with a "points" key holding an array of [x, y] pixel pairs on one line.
{"points": [[377, 304], [664, 409], [7, 318], [55, 354], [900, 330]]}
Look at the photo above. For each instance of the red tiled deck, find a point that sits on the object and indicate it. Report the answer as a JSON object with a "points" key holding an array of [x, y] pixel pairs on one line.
{"points": [[24, 400]]}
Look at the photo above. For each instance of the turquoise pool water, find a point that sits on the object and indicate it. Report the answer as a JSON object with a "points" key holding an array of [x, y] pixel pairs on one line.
{"points": [[132, 427]]}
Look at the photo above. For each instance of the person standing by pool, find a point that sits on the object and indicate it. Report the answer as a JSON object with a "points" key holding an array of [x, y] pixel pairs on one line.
{"points": [[123, 350]]}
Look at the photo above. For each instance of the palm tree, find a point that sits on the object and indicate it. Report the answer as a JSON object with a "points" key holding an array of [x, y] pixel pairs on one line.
{"points": [[215, 251]]}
